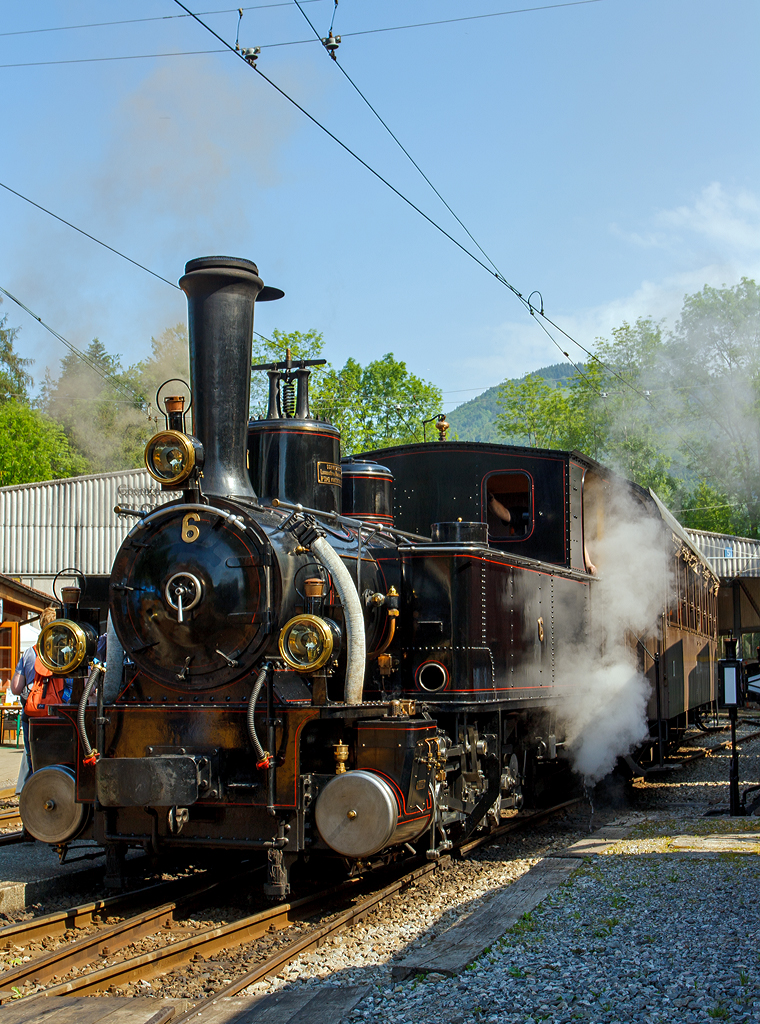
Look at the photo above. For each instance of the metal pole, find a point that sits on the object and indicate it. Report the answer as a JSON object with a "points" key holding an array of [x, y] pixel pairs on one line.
{"points": [[659, 707], [733, 778], [271, 747]]}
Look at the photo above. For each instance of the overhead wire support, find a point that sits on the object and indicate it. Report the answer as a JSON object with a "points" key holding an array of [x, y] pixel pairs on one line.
{"points": [[250, 56], [493, 272], [107, 377], [350, 151], [493, 268], [395, 138]]}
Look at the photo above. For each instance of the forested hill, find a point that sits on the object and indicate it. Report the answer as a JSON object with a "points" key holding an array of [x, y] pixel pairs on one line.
{"points": [[476, 420]]}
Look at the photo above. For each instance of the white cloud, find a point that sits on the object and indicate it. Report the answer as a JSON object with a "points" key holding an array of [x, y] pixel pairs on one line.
{"points": [[724, 218], [714, 240]]}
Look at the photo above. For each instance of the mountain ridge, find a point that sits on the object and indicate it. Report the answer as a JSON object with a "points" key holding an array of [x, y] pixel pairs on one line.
{"points": [[475, 420]]}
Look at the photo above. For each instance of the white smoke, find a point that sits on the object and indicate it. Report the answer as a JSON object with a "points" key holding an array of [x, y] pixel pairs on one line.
{"points": [[605, 715]]}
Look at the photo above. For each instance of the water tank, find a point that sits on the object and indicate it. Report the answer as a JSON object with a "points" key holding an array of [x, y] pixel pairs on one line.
{"points": [[367, 491]]}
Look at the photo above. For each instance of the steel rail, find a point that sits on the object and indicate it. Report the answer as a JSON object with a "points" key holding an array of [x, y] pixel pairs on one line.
{"points": [[707, 751], [526, 818], [104, 942], [177, 954], [275, 963], [7, 838], [85, 913], [211, 940]]}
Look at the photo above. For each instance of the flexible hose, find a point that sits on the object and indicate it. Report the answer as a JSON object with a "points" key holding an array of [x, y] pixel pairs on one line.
{"points": [[263, 757], [386, 644], [356, 641], [90, 755], [114, 664]]}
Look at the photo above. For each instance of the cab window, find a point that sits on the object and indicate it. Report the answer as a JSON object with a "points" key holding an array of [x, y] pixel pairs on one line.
{"points": [[508, 506]]}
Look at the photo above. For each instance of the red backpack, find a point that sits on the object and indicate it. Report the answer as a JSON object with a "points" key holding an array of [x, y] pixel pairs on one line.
{"points": [[47, 689]]}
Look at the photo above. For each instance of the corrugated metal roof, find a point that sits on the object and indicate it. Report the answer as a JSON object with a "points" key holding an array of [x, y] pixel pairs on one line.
{"points": [[679, 531], [45, 527], [729, 556]]}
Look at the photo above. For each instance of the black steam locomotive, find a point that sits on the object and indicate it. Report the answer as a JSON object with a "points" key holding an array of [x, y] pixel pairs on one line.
{"points": [[284, 677]]}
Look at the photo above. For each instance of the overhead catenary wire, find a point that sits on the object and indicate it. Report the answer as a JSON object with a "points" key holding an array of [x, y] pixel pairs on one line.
{"points": [[296, 42], [118, 385], [526, 302], [104, 60], [135, 21], [395, 138], [88, 235], [534, 312]]}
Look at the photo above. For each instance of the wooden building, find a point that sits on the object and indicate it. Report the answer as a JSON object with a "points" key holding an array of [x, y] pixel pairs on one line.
{"points": [[19, 604]]}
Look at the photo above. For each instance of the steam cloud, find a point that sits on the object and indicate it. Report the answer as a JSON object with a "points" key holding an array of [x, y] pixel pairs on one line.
{"points": [[605, 714]]}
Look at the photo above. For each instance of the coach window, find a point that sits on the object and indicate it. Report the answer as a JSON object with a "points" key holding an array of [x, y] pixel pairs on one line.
{"points": [[509, 506]]}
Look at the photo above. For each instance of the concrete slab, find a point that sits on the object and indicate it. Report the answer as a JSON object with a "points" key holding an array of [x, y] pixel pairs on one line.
{"points": [[294, 1006], [451, 951], [740, 842], [28, 871], [10, 759]]}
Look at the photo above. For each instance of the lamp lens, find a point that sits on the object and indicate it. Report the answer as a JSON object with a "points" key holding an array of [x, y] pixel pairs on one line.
{"points": [[167, 458], [305, 645], [61, 648]]}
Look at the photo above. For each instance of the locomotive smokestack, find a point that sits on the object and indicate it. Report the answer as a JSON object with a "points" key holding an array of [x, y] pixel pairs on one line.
{"points": [[221, 292]]}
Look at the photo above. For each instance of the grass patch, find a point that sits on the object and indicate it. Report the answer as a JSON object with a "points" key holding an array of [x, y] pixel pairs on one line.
{"points": [[525, 924]]}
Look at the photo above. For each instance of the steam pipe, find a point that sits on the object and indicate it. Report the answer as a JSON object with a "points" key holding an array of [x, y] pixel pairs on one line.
{"points": [[272, 744], [302, 394], [221, 293], [356, 641], [90, 755], [274, 412]]}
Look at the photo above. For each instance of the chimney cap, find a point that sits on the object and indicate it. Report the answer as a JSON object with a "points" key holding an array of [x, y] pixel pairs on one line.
{"points": [[233, 263]]}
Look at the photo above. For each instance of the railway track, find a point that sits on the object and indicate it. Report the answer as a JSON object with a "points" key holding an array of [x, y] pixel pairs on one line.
{"points": [[346, 903], [344, 906], [9, 816], [708, 751]]}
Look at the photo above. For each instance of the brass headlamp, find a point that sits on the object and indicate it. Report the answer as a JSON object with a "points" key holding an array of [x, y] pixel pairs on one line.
{"points": [[64, 646], [306, 643], [171, 456]]}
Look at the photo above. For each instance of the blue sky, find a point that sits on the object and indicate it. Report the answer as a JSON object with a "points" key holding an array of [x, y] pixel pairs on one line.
{"points": [[604, 153]]}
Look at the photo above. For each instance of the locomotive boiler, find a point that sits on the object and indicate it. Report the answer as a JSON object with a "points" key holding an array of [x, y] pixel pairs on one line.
{"points": [[355, 659]]}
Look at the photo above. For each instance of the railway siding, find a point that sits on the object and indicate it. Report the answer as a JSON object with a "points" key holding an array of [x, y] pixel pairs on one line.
{"points": [[653, 917]]}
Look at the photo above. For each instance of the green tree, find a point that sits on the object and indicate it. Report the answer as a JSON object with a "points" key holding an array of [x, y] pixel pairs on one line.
{"points": [[33, 447], [15, 380], [535, 413], [704, 507], [714, 371], [639, 440], [604, 411], [105, 419], [302, 345], [377, 405], [169, 361]]}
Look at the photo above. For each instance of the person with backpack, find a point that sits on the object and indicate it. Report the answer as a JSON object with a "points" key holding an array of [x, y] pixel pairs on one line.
{"points": [[24, 679]]}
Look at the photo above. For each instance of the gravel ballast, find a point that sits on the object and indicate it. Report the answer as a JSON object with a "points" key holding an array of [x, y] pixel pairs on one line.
{"points": [[638, 934], [661, 927]]}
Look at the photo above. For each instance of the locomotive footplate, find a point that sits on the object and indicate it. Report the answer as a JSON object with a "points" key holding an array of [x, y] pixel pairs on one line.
{"points": [[171, 780]]}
